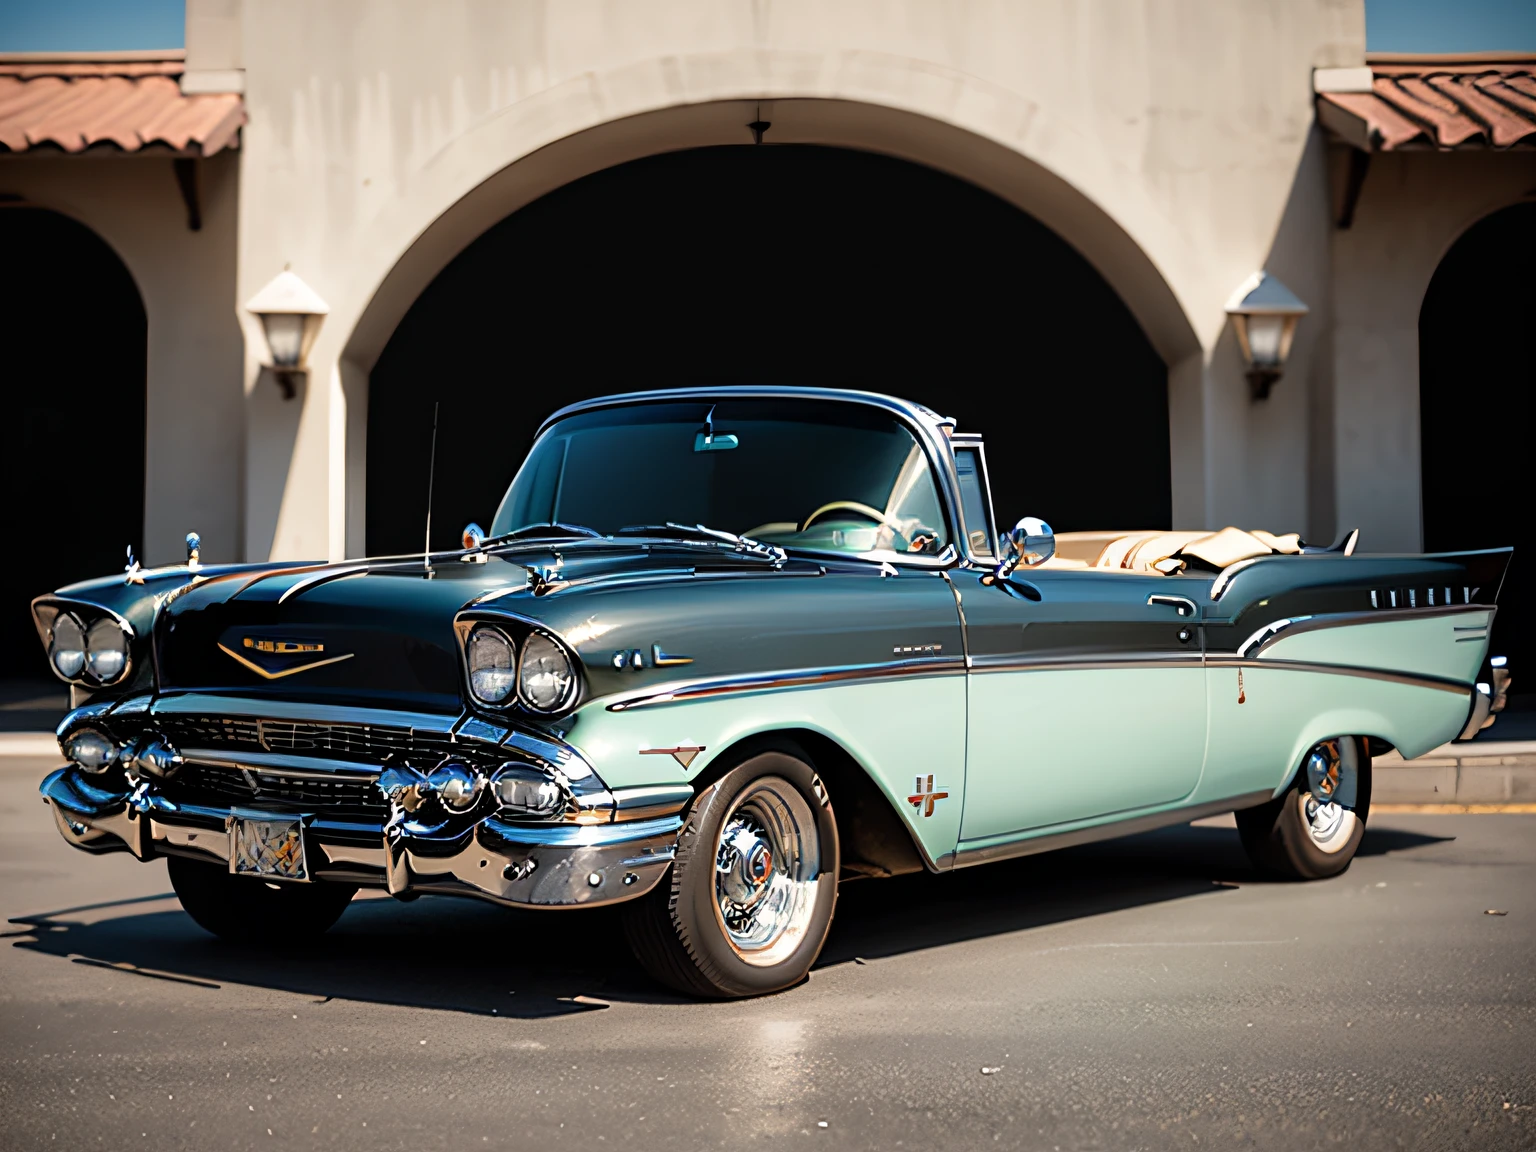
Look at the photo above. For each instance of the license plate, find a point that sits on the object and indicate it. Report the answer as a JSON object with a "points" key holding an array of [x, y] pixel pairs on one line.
{"points": [[265, 845]]}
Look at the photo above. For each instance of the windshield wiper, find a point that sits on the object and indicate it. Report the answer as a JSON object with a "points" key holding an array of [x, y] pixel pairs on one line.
{"points": [[539, 531], [703, 534]]}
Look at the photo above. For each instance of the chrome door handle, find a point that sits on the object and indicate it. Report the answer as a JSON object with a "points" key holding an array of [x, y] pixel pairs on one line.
{"points": [[1184, 605]]}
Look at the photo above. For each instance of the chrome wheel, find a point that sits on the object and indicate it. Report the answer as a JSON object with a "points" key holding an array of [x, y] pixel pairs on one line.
{"points": [[1327, 803], [1330, 825], [767, 863]]}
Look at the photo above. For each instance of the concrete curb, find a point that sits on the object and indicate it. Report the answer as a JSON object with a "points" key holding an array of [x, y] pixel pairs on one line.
{"points": [[1482, 772]]}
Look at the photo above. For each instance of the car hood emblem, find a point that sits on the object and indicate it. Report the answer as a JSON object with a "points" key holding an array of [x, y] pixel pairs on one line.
{"points": [[272, 658]]}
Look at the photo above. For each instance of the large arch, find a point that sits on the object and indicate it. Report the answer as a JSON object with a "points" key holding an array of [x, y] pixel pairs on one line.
{"points": [[73, 431], [792, 264], [1476, 377], [973, 132]]}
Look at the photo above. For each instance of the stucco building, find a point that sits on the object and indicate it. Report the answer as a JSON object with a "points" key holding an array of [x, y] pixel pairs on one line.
{"points": [[1029, 215]]}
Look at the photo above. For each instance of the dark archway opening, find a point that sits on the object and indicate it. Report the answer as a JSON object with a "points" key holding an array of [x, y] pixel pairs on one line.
{"points": [[789, 265], [72, 437], [1476, 377]]}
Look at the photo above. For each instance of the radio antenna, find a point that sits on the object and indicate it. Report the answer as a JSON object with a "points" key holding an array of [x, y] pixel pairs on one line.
{"points": [[426, 553]]}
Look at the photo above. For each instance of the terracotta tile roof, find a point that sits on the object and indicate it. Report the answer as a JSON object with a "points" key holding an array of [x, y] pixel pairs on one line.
{"points": [[111, 105], [1437, 104]]}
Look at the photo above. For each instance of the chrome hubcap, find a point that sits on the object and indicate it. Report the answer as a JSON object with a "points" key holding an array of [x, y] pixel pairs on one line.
{"points": [[1331, 768], [767, 863]]}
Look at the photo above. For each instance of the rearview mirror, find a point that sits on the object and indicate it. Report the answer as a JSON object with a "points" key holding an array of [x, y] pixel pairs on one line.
{"points": [[1029, 544]]}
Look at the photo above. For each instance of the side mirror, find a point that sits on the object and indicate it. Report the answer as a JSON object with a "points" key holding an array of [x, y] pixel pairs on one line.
{"points": [[1028, 545], [474, 535]]}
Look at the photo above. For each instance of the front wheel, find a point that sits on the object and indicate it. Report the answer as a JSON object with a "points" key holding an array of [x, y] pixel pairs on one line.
{"points": [[1314, 828], [748, 902], [248, 910]]}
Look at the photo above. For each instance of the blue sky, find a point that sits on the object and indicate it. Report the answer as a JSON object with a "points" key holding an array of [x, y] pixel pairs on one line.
{"points": [[91, 25], [1390, 25], [1442, 26]]}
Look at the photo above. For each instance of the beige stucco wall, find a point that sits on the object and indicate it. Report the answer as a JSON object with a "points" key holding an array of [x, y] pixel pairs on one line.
{"points": [[1412, 208], [195, 418], [1169, 143]]}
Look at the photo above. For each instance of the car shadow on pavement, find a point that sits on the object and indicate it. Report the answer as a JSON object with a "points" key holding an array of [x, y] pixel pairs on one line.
{"points": [[461, 955]]}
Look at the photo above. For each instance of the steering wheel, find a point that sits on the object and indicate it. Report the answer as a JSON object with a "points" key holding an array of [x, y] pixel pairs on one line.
{"points": [[864, 510]]}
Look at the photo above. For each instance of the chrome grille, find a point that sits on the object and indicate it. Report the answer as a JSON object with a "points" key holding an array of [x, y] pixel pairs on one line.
{"points": [[370, 744], [217, 784]]}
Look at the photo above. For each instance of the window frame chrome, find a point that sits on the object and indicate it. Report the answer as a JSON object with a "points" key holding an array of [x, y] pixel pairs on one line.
{"points": [[927, 428], [969, 441]]}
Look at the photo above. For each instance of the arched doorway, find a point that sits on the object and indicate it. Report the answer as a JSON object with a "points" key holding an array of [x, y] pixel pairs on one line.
{"points": [[789, 264], [1476, 378], [73, 427]]}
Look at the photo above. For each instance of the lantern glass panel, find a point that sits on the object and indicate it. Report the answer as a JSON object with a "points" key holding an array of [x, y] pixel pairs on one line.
{"points": [[285, 337], [1264, 339]]}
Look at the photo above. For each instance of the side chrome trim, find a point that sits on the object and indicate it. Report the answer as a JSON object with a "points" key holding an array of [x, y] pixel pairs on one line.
{"points": [[1410, 679], [1224, 577], [797, 678], [315, 581], [1076, 663], [1047, 842], [1296, 625]]}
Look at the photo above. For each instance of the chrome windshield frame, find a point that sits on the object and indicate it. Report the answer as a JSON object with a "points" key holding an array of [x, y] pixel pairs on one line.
{"points": [[927, 428]]}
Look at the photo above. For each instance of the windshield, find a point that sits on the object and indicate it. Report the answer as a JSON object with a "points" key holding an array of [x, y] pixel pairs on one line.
{"points": [[821, 475]]}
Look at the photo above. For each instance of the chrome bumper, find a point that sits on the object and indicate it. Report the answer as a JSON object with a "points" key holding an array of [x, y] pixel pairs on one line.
{"points": [[547, 866]]}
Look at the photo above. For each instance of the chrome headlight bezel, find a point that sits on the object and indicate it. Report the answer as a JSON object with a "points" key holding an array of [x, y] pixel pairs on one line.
{"points": [[547, 647], [105, 648], [488, 637], [517, 632]]}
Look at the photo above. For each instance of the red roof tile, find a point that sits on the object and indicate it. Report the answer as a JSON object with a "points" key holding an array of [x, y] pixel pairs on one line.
{"points": [[1437, 104], [124, 106]]}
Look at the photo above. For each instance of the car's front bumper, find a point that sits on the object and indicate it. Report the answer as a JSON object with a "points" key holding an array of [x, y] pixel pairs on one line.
{"points": [[544, 866]]}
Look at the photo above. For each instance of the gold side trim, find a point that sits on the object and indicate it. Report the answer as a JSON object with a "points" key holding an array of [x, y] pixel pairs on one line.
{"points": [[265, 675]]}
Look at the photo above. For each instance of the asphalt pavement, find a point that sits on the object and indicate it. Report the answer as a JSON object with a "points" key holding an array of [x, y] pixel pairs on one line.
{"points": [[1150, 992]]}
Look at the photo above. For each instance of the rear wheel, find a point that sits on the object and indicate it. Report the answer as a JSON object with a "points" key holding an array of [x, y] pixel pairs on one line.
{"points": [[748, 902], [1314, 829], [248, 910]]}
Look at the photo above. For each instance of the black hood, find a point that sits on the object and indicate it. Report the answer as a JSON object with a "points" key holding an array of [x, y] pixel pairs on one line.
{"points": [[380, 632]]}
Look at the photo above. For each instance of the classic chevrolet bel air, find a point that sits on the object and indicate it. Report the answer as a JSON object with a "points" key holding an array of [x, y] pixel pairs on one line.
{"points": [[722, 650]]}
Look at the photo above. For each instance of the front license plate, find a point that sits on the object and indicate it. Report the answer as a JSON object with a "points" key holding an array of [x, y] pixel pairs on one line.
{"points": [[270, 846]]}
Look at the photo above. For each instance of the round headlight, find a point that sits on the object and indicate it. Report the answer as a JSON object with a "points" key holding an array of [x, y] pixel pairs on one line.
{"points": [[90, 749], [67, 650], [492, 665], [545, 679], [106, 650]]}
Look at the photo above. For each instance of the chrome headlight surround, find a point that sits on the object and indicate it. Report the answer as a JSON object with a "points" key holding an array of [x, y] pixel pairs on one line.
{"points": [[546, 675], [490, 660], [551, 656], [87, 644]]}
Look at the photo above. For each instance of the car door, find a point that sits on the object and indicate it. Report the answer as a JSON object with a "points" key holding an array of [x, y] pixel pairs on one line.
{"points": [[1085, 698]]}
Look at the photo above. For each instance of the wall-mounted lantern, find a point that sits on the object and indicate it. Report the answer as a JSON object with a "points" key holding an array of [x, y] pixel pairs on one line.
{"points": [[1264, 312], [291, 313]]}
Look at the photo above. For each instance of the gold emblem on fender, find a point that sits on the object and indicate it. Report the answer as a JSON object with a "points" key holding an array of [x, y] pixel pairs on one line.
{"points": [[280, 648]]}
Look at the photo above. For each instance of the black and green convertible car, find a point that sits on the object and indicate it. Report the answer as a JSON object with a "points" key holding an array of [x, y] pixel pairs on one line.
{"points": [[722, 650]]}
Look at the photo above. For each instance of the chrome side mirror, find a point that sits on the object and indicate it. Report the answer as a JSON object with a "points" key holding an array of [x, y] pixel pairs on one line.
{"points": [[473, 536], [1029, 544]]}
